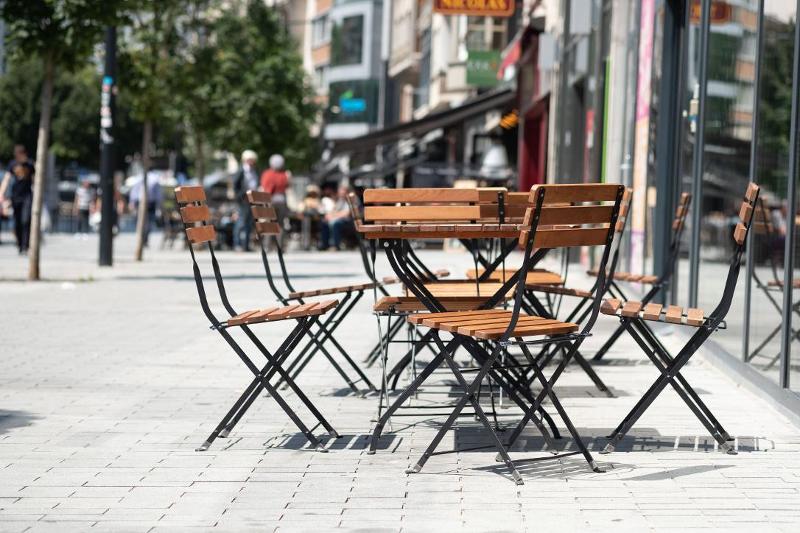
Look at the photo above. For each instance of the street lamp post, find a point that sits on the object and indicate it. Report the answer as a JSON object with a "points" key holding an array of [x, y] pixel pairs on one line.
{"points": [[107, 98]]}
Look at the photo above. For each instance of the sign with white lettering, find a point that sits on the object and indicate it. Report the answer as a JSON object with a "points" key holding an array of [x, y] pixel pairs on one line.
{"points": [[478, 8]]}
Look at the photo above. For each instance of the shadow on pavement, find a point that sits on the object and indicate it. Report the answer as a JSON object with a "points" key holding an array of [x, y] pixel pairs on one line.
{"points": [[15, 419]]}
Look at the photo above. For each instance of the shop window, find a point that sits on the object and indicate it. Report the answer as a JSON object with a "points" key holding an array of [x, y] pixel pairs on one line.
{"points": [[347, 41]]}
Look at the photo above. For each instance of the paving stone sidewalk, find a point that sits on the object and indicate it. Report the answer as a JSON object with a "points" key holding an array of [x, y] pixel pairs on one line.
{"points": [[109, 379]]}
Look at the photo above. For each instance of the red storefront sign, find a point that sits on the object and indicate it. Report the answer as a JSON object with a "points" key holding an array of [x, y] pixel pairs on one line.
{"points": [[478, 8]]}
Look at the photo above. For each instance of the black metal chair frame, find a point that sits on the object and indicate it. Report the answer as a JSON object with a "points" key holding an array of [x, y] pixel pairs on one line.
{"points": [[515, 387], [661, 284], [670, 367], [274, 365], [323, 331], [768, 291], [583, 308]]}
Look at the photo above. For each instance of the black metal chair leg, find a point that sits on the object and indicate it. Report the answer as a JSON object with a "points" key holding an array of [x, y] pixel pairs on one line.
{"points": [[480, 414], [457, 408], [405, 395], [699, 409], [272, 391], [246, 395], [548, 389]]}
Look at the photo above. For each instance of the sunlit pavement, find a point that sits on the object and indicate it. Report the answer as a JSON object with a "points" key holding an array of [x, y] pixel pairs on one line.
{"points": [[109, 379]]}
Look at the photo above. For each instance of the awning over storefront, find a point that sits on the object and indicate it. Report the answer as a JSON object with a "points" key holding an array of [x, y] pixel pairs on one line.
{"points": [[441, 119]]}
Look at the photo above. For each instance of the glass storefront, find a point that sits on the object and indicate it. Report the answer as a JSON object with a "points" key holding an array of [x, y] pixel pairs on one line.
{"points": [[747, 89]]}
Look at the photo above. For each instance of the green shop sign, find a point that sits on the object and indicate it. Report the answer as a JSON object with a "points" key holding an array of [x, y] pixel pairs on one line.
{"points": [[482, 66]]}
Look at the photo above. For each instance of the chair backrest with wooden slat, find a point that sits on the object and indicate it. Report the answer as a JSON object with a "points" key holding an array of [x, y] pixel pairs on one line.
{"points": [[267, 224], [432, 205], [195, 214], [747, 211], [196, 218], [762, 225], [567, 215], [265, 218], [572, 215]]}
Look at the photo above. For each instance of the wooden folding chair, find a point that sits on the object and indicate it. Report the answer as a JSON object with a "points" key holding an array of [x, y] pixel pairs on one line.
{"points": [[584, 298], [267, 227], [657, 283], [545, 227], [633, 315], [196, 218]]}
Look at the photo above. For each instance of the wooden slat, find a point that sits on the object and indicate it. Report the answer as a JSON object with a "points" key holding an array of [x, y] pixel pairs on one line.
{"points": [[752, 192], [259, 197], [594, 192], [268, 228], [674, 314], [740, 233], [694, 317], [580, 214], [610, 306], [355, 208], [556, 238], [303, 310], [631, 309], [195, 213], [411, 213], [264, 212], [423, 195], [529, 330], [652, 312], [745, 212], [201, 234], [187, 194]]}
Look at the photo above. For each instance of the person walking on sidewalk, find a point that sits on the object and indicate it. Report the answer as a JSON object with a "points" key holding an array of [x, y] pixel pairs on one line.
{"points": [[84, 199], [18, 180], [244, 180]]}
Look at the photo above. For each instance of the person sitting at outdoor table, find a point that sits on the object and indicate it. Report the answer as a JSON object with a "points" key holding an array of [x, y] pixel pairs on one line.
{"points": [[336, 219]]}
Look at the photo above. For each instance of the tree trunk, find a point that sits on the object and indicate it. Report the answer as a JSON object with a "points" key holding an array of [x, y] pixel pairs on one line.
{"points": [[199, 158], [40, 177], [141, 219]]}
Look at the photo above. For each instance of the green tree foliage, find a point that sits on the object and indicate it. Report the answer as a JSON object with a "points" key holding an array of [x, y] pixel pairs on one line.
{"points": [[61, 33], [775, 106], [260, 86]]}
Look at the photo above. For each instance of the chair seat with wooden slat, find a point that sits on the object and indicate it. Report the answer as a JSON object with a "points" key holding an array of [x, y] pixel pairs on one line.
{"points": [[331, 290], [538, 276], [269, 230], [779, 283], [491, 324], [672, 314], [411, 304], [463, 288], [555, 289], [273, 314], [629, 277], [440, 273]]}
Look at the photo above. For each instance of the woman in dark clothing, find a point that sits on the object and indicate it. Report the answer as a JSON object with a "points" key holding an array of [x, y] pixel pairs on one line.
{"points": [[18, 180]]}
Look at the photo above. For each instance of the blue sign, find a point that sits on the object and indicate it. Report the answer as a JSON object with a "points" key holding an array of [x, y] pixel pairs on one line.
{"points": [[352, 105]]}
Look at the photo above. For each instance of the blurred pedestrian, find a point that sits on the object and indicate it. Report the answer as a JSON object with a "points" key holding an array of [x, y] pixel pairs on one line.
{"points": [[275, 181], [82, 207], [154, 198], [18, 180], [246, 179], [336, 221]]}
